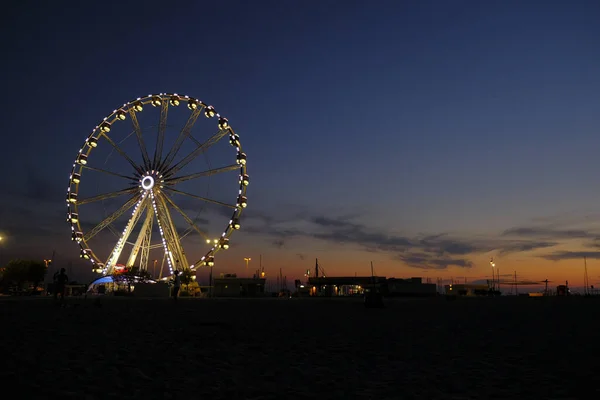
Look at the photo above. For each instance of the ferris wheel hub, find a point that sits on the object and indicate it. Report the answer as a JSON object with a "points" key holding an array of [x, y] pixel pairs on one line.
{"points": [[147, 182]]}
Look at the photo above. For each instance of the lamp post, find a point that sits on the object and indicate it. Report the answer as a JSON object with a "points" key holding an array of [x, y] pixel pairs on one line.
{"points": [[1, 239], [493, 265], [247, 259]]}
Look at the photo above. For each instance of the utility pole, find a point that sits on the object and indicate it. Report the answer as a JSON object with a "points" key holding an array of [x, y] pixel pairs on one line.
{"points": [[493, 265], [586, 281]]}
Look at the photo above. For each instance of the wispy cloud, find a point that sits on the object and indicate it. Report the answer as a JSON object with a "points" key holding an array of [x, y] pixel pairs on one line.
{"points": [[438, 251], [571, 255], [549, 233]]}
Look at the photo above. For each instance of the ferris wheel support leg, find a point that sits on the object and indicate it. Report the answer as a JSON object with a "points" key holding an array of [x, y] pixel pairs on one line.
{"points": [[178, 258], [145, 256], [141, 239], [162, 265], [116, 252]]}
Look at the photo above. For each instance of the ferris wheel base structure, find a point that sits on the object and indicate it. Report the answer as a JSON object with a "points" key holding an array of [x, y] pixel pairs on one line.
{"points": [[152, 187]]}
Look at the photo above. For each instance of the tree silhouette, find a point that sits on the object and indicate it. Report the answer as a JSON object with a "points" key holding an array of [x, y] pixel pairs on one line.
{"points": [[19, 272]]}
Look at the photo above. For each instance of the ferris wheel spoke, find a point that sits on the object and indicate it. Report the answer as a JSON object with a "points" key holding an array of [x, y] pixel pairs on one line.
{"points": [[109, 172], [187, 219], [142, 242], [185, 132], [201, 198], [113, 258], [186, 233], [140, 139], [171, 240], [109, 195], [160, 137], [175, 180], [122, 153], [111, 218], [201, 148], [113, 230]]}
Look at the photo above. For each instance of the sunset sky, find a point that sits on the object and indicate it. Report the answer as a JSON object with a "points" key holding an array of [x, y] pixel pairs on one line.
{"points": [[425, 136]]}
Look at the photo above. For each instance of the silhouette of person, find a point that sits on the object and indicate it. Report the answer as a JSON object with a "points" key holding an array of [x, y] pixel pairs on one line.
{"points": [[61, 282], [176, 285]]}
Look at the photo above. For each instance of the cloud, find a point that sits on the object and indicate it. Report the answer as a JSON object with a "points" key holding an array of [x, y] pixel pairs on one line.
{"points": [[429, 252], [571, 255], [434, 251], [549, 233], [424, 260], [279, 243], [523, 246]]}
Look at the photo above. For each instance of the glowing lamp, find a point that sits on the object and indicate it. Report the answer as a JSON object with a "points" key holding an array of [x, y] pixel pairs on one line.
{"points": [[82, 159], [92, 141], [105, 127], [156, 101], [241, 158], [210, 112], [223, 123], [77, 236], [73, 218], [192, 104]]}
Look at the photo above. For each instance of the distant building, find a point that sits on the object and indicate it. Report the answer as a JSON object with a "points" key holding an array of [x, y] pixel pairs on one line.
{"points": [[357, 285], [467, 289], [343, 285], [413, 287], [229, 285]]}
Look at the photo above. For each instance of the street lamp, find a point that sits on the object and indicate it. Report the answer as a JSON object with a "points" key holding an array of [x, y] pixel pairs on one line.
{"points": [[493, 265], [247, 259], [1, 239]]}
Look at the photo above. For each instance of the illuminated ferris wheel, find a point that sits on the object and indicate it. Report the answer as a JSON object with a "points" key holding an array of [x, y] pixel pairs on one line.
{"points": [[135, 196]]}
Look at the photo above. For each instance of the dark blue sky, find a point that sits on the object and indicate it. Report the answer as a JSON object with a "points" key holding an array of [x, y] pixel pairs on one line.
{"points": [[371, 128]]}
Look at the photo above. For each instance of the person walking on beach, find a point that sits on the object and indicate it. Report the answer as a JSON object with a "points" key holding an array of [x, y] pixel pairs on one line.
{"points": [[60, 282], [176, 285]]}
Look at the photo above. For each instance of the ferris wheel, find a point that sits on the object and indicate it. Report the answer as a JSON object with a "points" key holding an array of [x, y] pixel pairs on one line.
{"points": [[133, 189]]}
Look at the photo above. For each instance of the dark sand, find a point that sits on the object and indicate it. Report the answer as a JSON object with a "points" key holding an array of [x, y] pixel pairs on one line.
{"points": [[301, 348]]}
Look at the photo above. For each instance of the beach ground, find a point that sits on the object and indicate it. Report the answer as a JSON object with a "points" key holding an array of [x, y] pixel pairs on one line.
{"points": [[546, 348]]}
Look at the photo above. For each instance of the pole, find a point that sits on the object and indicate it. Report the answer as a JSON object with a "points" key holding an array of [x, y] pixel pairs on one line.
{"points": [[210, 282], [498, 275]]}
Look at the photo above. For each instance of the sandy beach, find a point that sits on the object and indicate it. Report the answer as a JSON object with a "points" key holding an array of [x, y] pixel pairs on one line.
{"points": [[301, 348]]}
